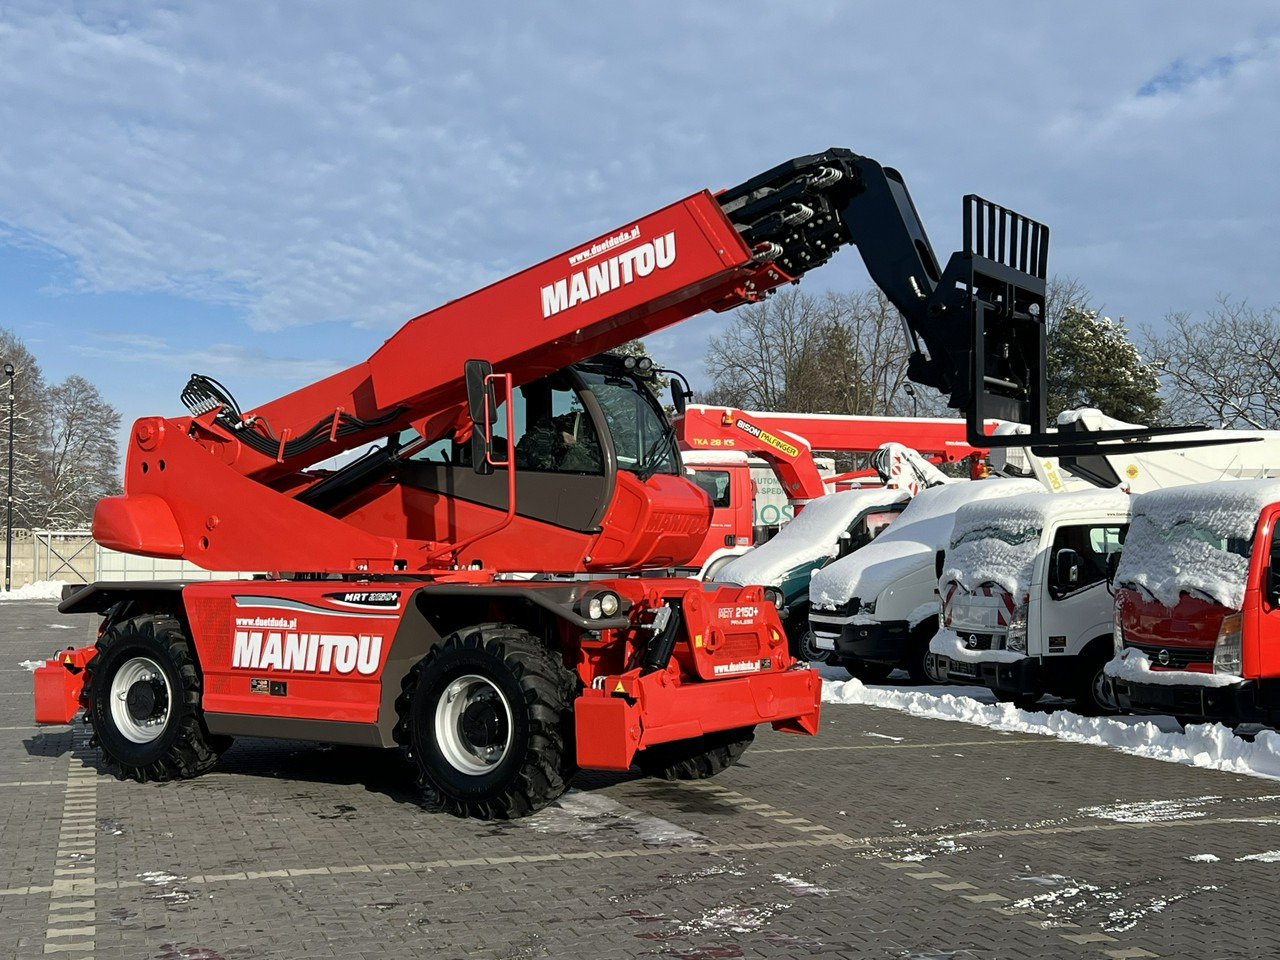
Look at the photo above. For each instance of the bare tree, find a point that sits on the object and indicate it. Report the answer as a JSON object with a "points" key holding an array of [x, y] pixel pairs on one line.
{"points": [[29, 395], [839, 353], [79, 459], [1221, 370]]}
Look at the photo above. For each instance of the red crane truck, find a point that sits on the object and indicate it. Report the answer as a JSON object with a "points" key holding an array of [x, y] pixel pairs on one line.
{"points": [[386, 620], [787, 441]]}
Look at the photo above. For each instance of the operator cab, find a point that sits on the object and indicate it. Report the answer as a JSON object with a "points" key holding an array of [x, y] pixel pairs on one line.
{"points": [[572, 430]]}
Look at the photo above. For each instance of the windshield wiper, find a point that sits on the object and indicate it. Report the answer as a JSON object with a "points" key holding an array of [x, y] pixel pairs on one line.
{"points": [[653, 458]]}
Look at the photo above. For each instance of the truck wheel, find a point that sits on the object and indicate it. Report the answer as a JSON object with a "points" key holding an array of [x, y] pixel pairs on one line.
{"points": [[868, 671], [800, 638], [1089, 695], [490, 722], [918, 651], [698, 758], [143, 689]]}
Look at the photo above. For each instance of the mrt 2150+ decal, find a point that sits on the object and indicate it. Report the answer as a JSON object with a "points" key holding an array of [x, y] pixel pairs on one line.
{"points": [[346, 636], [627, 257]]}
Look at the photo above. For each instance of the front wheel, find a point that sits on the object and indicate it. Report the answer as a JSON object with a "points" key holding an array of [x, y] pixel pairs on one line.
{"points": [[698, 758], [1090, 694], [143, 688], [800, 639], [490, 723]]}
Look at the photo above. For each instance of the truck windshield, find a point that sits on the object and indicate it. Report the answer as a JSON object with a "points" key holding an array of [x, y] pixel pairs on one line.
{"points": [[1190, 530], [642, 439]]}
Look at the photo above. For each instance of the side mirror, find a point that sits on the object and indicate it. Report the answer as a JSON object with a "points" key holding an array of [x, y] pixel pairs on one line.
{"points": [[1067, 568], [1113, 564], [482, 408], [679, 396], [939, 561]]}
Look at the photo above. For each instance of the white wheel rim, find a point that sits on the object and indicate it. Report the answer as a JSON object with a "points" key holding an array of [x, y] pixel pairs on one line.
{"points": [[133, 720], [473, 725]]}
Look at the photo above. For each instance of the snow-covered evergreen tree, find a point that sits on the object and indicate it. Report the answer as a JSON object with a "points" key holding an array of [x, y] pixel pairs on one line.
{"points": [[1092, 363]]}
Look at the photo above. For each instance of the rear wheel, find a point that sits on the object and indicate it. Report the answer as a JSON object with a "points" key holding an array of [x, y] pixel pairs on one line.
{"points": [[143, 688], [698, 758], [868, 671], [490, 723]]}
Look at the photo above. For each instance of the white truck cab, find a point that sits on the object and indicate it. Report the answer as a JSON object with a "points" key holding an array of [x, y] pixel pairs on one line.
{"points": [[1026, 605]]}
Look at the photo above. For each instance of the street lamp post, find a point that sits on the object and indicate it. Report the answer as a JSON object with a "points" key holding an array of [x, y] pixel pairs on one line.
{"points": [[8, 518], [911, 392]]}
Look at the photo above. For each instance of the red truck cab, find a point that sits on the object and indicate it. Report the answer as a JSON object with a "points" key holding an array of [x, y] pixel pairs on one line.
{"points": [[1197, 605]]}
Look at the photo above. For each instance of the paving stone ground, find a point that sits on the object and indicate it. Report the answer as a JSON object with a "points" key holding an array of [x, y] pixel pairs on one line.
{"points": [[885, 836]]}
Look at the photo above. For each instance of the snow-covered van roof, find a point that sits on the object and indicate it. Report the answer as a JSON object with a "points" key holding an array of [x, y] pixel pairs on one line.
{"points": [[1195, 539], [812, 535], [919, 532], [997, 541]]}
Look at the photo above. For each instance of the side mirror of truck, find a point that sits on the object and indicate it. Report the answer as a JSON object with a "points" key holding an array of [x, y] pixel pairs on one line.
{"points": [[482, 408], [1113, 564], [1273, 577], [679, 396], [1066, 569]]}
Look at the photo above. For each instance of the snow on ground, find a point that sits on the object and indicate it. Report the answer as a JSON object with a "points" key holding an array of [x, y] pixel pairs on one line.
{"points": [[40, 590], [1212, 746]]}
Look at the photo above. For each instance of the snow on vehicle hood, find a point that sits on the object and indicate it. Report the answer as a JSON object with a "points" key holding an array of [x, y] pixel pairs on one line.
{"points": [[1195, 539], [813, 535], [996, 542], [911, 541]]}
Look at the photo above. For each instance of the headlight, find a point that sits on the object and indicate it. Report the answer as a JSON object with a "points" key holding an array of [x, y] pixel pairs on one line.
{"points": [[602, 605], [1015, 638], [1226, 651], [869, 606], [774, 596]]}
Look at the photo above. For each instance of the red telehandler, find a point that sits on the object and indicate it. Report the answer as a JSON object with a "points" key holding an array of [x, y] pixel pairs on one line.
{"points": [[387, 620]]}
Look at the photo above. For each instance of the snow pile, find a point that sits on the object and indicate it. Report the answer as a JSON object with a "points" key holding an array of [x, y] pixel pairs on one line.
{"points": [[997, 542], [40, 590], [1195, 539], [912, 540], [1212, 746], [811, 537]]}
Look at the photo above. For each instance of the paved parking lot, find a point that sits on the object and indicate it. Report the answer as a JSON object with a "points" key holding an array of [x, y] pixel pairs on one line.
{"points": [[886, 836]]}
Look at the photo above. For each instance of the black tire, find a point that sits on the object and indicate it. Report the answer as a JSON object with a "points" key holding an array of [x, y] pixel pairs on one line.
{"points": [[800, 637], [1023, 701], [917, 651], [143, 688], [488, 716], [696, 759], [1090, 701], [868, 671]]}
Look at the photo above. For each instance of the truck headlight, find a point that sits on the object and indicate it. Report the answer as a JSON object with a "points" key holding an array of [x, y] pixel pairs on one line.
{"points": [[774, 596], [601, 606], [1227, 654], [1015, 637]]}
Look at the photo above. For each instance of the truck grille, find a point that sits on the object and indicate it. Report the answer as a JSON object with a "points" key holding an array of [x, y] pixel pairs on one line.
{"points": [[1177, 658]]}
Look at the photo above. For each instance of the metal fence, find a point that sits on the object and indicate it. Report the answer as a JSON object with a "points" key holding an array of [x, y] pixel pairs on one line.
{"points": [[73, 557]]}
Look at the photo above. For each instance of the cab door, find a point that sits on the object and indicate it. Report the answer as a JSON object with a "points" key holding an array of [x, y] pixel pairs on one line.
{"points": [[1075, 604]]}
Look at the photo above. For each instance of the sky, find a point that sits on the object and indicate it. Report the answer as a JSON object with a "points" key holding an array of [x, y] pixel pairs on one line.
{"points": [[264, 192]]}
